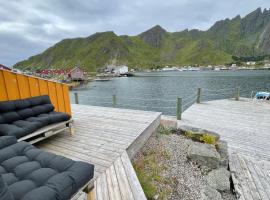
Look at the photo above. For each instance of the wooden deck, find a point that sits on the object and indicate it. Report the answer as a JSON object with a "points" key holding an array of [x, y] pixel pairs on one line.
{"points": [[245, 125], [107, 138]]}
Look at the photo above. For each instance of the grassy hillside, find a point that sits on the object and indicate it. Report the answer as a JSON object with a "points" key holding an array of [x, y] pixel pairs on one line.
{"points": [[155, 47]]}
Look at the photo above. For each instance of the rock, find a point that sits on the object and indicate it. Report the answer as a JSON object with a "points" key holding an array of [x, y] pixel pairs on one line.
{"points": [[219, 179], [156, 196], [168, 122], [204, 155], [222, 148], [205, 170], [154, 36], [209, 193], [198, 131]]}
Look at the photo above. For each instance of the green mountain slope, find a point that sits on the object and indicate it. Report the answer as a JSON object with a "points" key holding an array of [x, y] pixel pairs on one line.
{"points": [[246, 36]]}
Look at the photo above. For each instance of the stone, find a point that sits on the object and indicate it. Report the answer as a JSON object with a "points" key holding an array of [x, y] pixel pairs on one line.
{"points": [[219, 179], [205, 170], [222, 148], [209, 193], [203, 155], [155, 197], [168, 122], [198, 131]]}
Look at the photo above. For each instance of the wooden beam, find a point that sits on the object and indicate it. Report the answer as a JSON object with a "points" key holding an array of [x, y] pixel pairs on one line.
{"points": [[91, 195]]}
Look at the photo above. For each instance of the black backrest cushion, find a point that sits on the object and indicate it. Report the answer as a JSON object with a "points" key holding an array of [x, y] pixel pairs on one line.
{"points": [[10, 117], [5, 194], [22, 103], [15, 110], [26, 113], [45, 108], [40, 100], [2, 120], [6, 106]]}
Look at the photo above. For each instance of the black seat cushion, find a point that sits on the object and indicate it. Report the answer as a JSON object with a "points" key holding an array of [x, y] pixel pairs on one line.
{"points": [[21, 117], [5, 194], [33, 174]]}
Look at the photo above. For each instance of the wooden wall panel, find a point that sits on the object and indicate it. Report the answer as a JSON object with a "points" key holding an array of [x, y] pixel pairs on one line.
{"points": [[66, 98], [24, 88], [18, 86], [53, 95], [34, 86], [3, 90], [60, 98], [11, 85], [43, 87]]}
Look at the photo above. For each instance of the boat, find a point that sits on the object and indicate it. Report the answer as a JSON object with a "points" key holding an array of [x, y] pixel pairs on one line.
{"points": [[102, 79], [262, 95]]}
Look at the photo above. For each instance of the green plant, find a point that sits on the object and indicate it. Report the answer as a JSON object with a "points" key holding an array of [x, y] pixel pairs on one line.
{"points": [[189, 134], [164, 130], [149, 169], [146, 182], [193, 136], [208, 139]]}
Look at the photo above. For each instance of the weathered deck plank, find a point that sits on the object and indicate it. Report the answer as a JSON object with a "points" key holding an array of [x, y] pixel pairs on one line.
{"points": [[114, 190], [102, 136], [245, 125]]}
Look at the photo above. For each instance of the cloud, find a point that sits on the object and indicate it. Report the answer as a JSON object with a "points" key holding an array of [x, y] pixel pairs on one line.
{"points": [[28, 27]]}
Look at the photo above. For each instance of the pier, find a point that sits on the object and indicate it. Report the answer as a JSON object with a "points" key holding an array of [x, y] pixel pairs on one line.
{"points": [[110, 137], [107, 138], [245, 125]]}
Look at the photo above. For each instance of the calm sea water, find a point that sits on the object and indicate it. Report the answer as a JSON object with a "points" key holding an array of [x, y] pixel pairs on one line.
{"points": [[158, 91]]}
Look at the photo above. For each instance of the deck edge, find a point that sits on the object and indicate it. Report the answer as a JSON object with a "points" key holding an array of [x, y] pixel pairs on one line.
{"points": [[137, 144]]}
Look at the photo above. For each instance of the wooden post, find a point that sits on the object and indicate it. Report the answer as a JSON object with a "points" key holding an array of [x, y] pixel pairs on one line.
{"points": [[179, 108], [89, 190], [237, 94], [114, 100], [199, 95], [71, 128], [76, 98], [91, 195]]}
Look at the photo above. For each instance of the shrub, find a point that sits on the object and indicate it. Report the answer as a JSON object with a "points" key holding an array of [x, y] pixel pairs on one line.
{"points": [[164, 130], [208, 139], [188, 134], [204, 137], [193, 136]]}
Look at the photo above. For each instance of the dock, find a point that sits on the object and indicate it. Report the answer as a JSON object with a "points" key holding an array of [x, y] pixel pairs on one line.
{"points": [[245, 125], [108, 138]]}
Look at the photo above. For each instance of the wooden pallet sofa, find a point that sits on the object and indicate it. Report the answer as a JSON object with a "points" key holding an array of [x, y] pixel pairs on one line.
{"points": [[28, 173], [32, 119]]}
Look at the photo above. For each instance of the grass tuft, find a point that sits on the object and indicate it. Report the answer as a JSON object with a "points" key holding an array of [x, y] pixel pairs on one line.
{"points": [[208, 139], [204, 137], [162, 130], [149, 169]]}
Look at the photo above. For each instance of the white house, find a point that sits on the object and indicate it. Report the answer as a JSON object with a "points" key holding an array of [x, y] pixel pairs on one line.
{"points": [[120, 69], [251, 63]]}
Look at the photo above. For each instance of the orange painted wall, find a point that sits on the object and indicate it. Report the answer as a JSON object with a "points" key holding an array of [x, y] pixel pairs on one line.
{"points": [[17, 86]]}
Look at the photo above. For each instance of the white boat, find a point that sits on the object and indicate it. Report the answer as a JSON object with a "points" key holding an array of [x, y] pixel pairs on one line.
{"points": [[102, 79], [262, 95]]}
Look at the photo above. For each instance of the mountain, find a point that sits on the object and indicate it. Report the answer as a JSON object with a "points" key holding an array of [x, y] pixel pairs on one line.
{"points": [[242, 37]]}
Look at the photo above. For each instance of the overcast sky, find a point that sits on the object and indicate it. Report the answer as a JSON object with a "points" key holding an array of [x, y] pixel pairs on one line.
{"points": [[28, 27]]}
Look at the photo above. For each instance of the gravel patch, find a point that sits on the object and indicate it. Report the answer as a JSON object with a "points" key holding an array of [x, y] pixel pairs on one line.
{"points": [[184, 179], [189, 180]]}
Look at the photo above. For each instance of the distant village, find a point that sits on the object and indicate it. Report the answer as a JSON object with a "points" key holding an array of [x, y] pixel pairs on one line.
{"points": [[78, 74], [248, 66]]}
